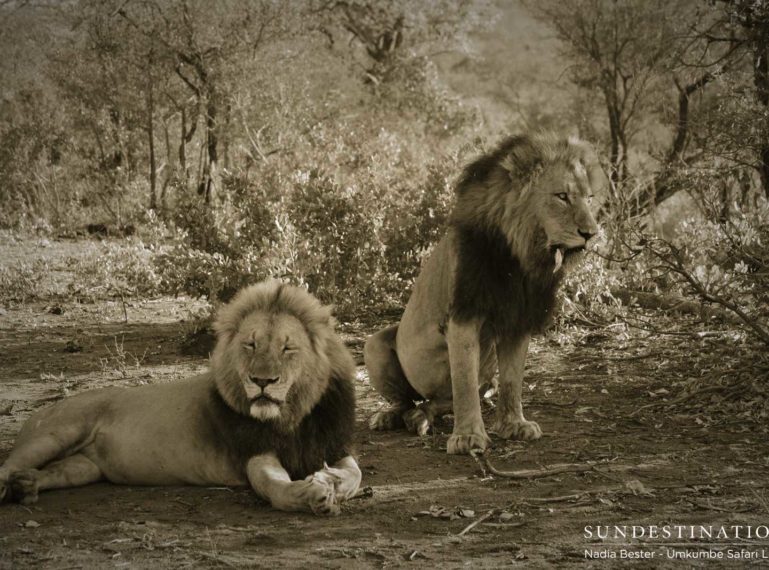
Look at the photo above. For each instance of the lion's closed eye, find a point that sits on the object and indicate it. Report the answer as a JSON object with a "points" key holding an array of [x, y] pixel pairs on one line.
{"points": [[289, 349]]}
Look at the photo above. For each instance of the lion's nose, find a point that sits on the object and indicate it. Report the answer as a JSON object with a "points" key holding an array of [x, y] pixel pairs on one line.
{"points": [[263, 382], [587, 235]]}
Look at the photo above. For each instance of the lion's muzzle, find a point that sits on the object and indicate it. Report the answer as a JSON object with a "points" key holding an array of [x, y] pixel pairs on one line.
{"points": [[263, 382]]}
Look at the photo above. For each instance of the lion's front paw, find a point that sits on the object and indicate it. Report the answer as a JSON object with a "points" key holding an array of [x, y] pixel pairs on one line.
{"points": [[22, 487], [318, 493], [519, 429], [462, 444], [346, 480]]}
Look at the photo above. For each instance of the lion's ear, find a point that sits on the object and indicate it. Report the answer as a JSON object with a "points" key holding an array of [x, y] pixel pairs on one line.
{"points": [[523, 159], [226, 322], [327, 314]]}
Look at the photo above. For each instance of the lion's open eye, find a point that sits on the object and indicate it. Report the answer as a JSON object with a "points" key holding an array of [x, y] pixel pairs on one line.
{"points": [[562, 196], [249, 345]]}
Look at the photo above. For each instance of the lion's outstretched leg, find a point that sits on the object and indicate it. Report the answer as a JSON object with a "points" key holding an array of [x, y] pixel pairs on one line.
{"points": [[36, 446], [388, 378], [511, 354], [73, 471], [316, 493]]}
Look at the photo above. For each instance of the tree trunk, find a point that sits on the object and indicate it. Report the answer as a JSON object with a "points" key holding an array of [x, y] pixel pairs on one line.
{"points": [[211, 147], [151, 136], [183, 148], [662, 187], [171, 168], [761, 79], [614, 134]]}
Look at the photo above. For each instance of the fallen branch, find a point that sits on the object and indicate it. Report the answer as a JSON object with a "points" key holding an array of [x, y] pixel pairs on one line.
{"points": [[476, 522], [487, 467], [560, 499]]}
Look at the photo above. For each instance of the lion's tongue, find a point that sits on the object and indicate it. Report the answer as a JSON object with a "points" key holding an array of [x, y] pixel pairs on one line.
{"points": [[558, 259]]}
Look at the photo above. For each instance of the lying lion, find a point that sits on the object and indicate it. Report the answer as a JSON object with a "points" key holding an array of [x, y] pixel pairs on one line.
{"points": [[521, 218], [276, 408]]}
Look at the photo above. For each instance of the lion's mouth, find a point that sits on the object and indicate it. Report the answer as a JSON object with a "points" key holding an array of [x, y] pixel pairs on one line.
{"points": [[265, 399], [562, 252]]}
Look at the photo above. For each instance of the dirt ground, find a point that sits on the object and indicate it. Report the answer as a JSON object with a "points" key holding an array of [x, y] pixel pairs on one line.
{"points": [[599, 398]]}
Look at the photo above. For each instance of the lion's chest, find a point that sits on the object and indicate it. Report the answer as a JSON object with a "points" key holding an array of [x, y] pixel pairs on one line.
{"points": [[322, 436], [490, 284]]}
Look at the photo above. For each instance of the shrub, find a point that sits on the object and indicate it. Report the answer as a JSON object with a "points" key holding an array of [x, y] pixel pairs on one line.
{"points": [[23, 281], [116, 268]]}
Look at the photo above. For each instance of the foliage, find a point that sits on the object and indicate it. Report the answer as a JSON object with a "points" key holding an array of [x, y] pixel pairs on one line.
{"points": [[22, 281], [720, 257], [115, 269], [357, 248]]}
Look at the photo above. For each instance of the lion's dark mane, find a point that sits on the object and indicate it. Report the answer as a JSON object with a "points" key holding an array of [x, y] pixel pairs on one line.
{"points": [[490, 284], [324, 435]]}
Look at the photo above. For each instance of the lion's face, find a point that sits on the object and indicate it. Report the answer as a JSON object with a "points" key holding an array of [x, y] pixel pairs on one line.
{"points": [[269, 352], [276, 353], [536, 191], [562, 199]]}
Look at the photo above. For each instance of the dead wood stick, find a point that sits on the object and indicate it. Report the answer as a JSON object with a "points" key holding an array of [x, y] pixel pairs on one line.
{"points": [[560, 499], [476, 522], [487, 467]]}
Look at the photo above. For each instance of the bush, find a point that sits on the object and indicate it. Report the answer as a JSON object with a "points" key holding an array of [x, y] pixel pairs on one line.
{"points": [[357, 242], [116, 268], [22, 281]]}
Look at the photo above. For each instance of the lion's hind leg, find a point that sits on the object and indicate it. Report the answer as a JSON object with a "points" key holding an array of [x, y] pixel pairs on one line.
{"points": [[37, 445], [387, 377], [24, 485], [72, 471], [420, 420]]}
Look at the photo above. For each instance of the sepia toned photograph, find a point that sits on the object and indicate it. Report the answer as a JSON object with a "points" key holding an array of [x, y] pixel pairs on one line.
{"points": [[384, 284]]}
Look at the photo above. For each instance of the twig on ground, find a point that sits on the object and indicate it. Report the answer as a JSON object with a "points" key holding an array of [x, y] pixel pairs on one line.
{"points": [[558, 404], [560, 499], [711, 507], [487, 467], [476, 522], [634, 357]]}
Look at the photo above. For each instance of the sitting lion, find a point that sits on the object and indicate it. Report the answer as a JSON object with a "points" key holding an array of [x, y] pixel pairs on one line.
{"points": [[521, 218], [275, 409]]}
